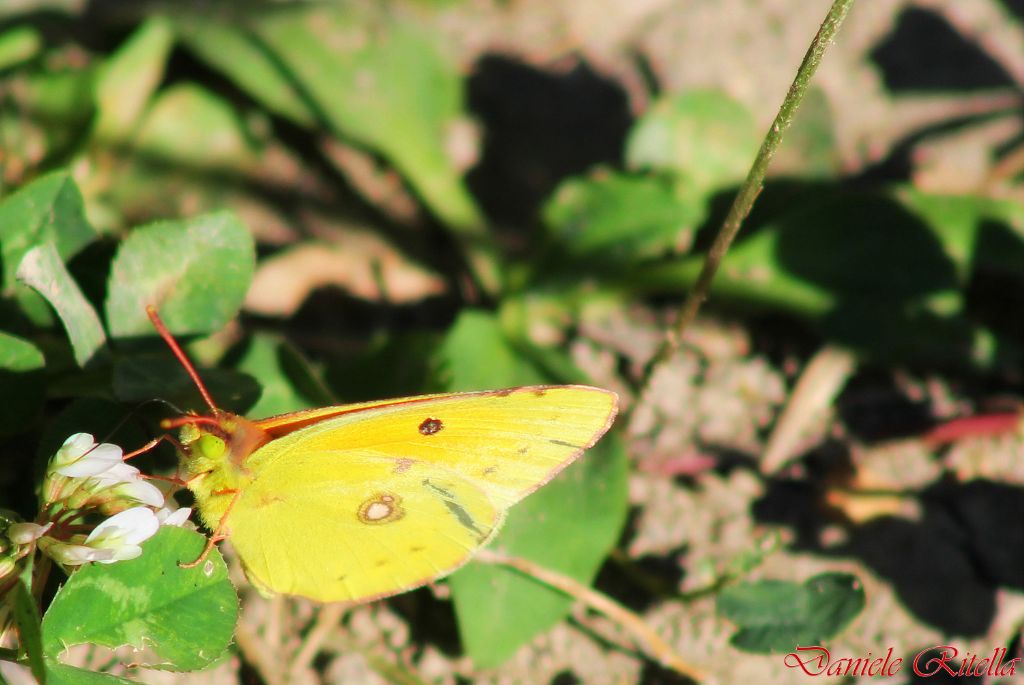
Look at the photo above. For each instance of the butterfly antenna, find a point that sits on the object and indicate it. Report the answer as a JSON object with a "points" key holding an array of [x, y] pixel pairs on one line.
{"points": [[158, 324], [159, 400]]}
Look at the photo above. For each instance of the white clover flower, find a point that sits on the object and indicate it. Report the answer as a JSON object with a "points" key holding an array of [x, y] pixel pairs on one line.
{"points": [[75, 555], [125, 480], [123, 533], [80, 457], [178, 517], [25, 533]]}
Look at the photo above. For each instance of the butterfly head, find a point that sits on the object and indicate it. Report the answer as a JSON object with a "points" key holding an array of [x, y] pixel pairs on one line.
{"points": [[212, 450], [202, 444], [208, 443]]}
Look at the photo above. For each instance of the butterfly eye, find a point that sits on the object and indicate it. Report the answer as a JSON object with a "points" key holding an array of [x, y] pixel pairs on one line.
{"points": [[210, 446]]}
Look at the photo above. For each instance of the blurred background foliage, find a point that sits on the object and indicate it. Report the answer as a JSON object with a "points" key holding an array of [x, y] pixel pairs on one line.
{"points": [[417, 196]]}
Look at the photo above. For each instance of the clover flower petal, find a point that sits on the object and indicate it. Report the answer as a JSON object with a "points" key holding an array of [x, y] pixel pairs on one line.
{"points": [[132, 525], [76, 555], [116, 539], [146, 493], [25, 533], [123, 533], [178, 517], [116, 474], [126, 481], [74, 447], [81, 457], [142, 491]]}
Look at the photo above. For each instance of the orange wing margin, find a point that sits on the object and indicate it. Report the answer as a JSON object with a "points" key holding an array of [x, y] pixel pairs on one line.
{"points": [[283, 424]]}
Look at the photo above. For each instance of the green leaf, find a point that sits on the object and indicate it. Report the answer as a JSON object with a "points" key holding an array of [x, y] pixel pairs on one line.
{"points": [[809, 148], [64, 101], [775, 615], [62, 674], [391, 366], [916, 244], [384, 83], [884, 272], [813, 257], [19, 44], [183, 618], [234, 51], [22, 387], [64, 97], [43, 270], [189, 125], [583, 510], [963, 226], [146, 376], [26, 619], [615, 218], [129, 77], [702, 134], [476, 355], [50, 209], [285, 376], [195, 271]]}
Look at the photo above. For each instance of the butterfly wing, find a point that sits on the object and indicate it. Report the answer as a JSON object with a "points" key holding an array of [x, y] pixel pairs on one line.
{"points": [[349, 526], [508, 442], [384, 497]]}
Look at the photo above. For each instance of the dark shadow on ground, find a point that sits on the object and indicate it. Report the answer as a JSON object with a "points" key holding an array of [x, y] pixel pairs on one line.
{"points": [[945, 567], [924, 53], [540, 127]]}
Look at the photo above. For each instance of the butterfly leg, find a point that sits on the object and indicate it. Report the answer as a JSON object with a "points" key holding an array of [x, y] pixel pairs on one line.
{"points": [[218, 534], [175, 479]]}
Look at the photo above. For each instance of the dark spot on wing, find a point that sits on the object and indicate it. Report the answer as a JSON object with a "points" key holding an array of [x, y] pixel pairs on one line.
{"points": [[503, 393], [464, 519], [417, 548], [540, 392], [438, 489], [563, 443], [431, 426], [460, 513], [381, 562], [267, 498], [523, 450]]}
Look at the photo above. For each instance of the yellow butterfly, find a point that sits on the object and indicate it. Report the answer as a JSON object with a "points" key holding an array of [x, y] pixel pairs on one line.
{"points": [[361, 501]]}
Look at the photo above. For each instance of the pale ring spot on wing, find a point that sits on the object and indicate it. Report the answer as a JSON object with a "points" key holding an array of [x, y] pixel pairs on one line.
{"points": [[430, 426], [402, 465], [382, 508]]}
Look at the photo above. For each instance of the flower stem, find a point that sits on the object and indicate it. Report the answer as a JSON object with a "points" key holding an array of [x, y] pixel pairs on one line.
{"points": [[646, 638], [754, 182]]}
